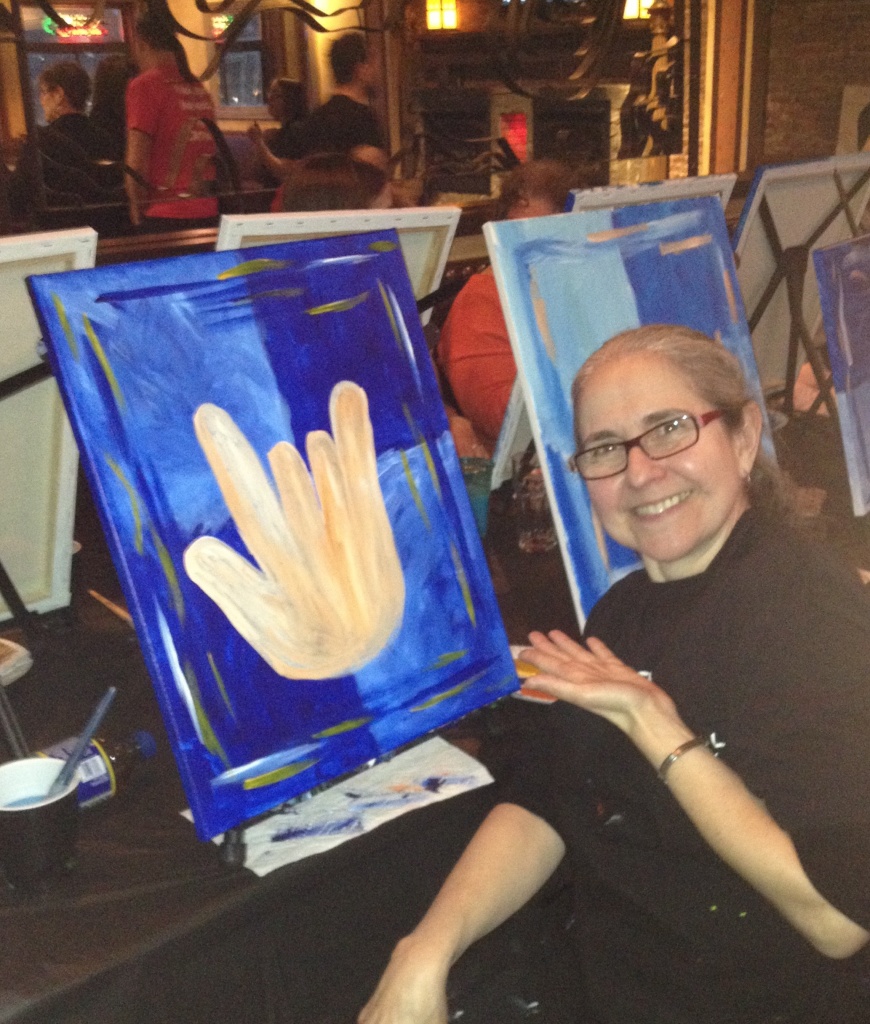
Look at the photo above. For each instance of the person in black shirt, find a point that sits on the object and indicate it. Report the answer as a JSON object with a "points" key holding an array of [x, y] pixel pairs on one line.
{"points": [[704, 769], [65, 155], [346, 121]]}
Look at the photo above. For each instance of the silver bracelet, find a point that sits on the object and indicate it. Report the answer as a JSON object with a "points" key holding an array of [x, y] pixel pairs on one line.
{"points": [[675, 755]]}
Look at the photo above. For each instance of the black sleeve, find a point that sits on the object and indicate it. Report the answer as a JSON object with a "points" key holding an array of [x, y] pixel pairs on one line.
{"points": [[805, 740]]}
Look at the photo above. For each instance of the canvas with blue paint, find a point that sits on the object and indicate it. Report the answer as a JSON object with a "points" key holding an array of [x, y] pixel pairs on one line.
{"points": [[263, 434], [843, 273], [568, 283]]}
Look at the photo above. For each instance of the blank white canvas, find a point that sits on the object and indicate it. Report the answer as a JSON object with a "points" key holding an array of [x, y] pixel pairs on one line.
{"points": [[39, 461]]}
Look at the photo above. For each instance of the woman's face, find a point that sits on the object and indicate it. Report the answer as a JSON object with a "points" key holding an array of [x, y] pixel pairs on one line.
{"points": [[675, 512]]}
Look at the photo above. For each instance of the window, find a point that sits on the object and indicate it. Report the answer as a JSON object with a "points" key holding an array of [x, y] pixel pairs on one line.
{"points": [[242, 76]]}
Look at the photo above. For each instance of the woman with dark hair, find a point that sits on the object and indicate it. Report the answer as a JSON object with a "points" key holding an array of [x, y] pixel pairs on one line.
{"points": [[170, 149], [703, 771], [107, 114]]}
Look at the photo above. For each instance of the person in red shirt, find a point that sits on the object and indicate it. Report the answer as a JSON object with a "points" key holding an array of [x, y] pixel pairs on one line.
{"points": [[169, 146], [474, 352]]}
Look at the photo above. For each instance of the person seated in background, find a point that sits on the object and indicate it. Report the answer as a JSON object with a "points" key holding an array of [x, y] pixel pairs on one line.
{"points": [[64, 154], [346, 121], [703, 772], [335, 181], [474, 352], [108, 114], [170, 149], [277, 148]]}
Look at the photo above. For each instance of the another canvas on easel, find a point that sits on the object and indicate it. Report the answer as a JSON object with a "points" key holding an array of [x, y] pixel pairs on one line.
{"points": [[568, 283], [39, 461], [264, 437], [843, 273], [790, 211], [516, 431], [425, 235]]}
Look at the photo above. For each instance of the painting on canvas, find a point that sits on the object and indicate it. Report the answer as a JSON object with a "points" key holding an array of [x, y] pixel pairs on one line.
{"points": [[843, 273], [264, 436], [568, 283], [797, 207]]}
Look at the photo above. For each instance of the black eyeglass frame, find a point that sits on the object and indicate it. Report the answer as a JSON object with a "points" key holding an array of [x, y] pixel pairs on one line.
{"points": [[637, 442]]}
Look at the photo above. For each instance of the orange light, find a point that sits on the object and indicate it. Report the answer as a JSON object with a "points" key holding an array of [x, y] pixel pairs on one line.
{"points": [[441, 14], [635, 9]]}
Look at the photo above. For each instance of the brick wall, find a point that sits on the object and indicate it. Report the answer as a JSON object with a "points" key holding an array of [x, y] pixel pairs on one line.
{"points": [[817, 48]]}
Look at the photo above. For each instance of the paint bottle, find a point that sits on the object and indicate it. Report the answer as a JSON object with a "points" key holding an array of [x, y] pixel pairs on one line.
{"points": [[106, 765]]}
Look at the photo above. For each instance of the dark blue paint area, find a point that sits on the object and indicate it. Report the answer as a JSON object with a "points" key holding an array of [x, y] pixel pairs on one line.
{"points": [[170, 336]]}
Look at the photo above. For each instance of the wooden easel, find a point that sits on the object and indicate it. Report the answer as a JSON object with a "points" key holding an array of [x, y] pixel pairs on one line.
{"points": [[791, 266]]}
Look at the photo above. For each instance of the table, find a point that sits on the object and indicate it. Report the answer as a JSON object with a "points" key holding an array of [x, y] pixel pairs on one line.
{"points": [[151, 928]]}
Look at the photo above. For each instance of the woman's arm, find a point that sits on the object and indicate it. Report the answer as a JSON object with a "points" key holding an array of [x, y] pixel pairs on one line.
{"points": [[729, 818], [510, 857]]}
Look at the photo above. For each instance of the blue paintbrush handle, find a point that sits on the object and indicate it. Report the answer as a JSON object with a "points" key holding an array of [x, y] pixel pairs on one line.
{"points": [[66, 773]]}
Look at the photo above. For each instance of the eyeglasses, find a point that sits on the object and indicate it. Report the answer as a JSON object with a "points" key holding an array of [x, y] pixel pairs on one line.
{"points": [[667, 438]]}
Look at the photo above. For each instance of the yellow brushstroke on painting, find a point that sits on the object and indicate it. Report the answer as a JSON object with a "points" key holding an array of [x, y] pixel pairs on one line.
{"points": [[103, 360], [684, 245], [138, 540], [272, 293], [414, 489], [166, 564], [600, 541], [327, 590], [447, 694], [424, 448], [278, 775], [253, 267], [540, 308], [729, 292], [337, 730], [219, 679], [338, 306], [209, 737], [391, 316], [65, 324], [383, 246], [446, 659], [612, 234], [463, 584]]}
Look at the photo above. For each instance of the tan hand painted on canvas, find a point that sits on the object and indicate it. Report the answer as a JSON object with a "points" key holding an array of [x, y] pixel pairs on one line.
{"points": [[327, 591]]}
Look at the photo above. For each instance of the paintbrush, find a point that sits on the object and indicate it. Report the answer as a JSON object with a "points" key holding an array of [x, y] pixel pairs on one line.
{"points": [[66, 773]]}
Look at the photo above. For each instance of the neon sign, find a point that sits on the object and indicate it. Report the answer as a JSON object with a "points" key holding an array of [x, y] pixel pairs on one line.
{"points": [[77, 28]]}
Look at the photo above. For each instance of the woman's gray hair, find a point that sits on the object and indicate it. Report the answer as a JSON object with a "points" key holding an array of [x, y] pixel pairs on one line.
{"points": [[715, 374]]}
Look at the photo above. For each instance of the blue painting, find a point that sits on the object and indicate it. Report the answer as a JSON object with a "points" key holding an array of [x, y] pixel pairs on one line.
{"points": [[568, 283], [264, 437], [843, 273]]}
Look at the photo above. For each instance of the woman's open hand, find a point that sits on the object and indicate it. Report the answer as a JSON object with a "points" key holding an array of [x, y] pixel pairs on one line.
{"points": [[593, 678]]}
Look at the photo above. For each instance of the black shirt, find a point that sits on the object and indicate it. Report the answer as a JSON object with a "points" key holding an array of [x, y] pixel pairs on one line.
{"points": [[769, 650], [338, 126]]}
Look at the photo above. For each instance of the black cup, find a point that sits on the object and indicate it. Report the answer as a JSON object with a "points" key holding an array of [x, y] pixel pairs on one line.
{"points": [[37, 836]]}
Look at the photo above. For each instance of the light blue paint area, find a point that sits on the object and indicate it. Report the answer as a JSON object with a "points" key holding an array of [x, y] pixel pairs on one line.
{"points": [[175, 336], [265, 764], [571, 281]]}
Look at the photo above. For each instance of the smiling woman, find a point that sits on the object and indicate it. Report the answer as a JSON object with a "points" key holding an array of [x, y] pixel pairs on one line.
{"points": [[703, 770]]}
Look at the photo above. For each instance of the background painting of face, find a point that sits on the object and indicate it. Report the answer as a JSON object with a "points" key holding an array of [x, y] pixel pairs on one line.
{"points": [[264, 336], [570, 282]]}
